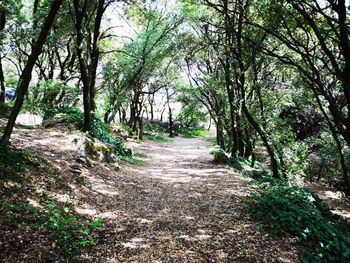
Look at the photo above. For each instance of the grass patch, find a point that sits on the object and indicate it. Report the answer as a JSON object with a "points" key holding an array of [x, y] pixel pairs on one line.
{"points": [[188, 133], [300, 213], [140, 155], [132, 160], [200, 133], [157, 138]]}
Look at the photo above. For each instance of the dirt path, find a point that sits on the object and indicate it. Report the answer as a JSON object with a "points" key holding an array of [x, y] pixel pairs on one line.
{"points": [[178, 207], [181, 207]]}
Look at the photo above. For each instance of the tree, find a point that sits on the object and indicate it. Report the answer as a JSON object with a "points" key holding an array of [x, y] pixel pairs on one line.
{"points": [[87, 17], [26, 75]]}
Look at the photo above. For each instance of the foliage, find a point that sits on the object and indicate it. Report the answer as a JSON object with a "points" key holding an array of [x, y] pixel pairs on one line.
{"points": [[200, 133], [155, 127], [264, 179], [99, 129], [186, 132], [157, 137], [191, 115], [51, 95], [300, 213], [68, 232], [132, 160], [12, 162], [239, 163]]}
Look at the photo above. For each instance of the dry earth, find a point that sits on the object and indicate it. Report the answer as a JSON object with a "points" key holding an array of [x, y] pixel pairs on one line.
{"points": [[177, 207]]}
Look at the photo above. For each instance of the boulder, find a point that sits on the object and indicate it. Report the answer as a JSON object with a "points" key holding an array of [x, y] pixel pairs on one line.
{"points": [[93, 150], [220, 156], [56, 119]]}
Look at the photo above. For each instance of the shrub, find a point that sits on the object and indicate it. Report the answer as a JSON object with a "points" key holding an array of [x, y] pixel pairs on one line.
{"points": [[265, 179], [298, 212], [186, 132], [155, 127]]}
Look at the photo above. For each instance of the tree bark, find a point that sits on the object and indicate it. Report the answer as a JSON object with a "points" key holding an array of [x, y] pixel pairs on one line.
{"points": [[264, 138], [26, 75], [2, 83]]}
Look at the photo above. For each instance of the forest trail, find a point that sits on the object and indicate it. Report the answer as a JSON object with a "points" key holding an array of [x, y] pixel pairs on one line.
{"points": [[181, 207], [177, 207]]}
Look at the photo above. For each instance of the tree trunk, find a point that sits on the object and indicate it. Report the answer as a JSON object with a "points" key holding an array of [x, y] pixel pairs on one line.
{"points": [[220, 132], [263, 136], [2, 78], [95, 53], [26, 75], [2, 83]]}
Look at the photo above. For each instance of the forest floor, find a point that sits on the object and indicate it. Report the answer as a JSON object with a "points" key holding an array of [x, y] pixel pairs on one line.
{"points": [[176, 207]]}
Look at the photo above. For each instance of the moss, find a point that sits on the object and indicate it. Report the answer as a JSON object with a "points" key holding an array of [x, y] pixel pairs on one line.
{"points": [[98, 152]]}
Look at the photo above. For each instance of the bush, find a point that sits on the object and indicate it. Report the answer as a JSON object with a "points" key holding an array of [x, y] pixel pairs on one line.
{"points": [[265, 179], [155, 127], [298, 212], [186, 132]]}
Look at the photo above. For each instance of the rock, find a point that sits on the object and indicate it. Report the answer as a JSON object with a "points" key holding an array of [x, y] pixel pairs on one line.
{"points": [[220, 156], [56, 119], [92, 150]]}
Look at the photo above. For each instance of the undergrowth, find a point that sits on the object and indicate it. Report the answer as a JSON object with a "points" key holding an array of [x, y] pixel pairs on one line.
{"points": [[99, 129], [12, 162], [297, 212], [157, 137], [67, 233], [189, 133]]}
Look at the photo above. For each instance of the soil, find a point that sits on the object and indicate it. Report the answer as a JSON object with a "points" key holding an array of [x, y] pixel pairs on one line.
{"points": [[178, 206]]}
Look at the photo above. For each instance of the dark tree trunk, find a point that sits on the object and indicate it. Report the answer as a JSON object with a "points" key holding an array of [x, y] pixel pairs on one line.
{"points": [[26, 75], [95, 53], [263, 136], [2, 83], [80, 12], [171, 125], [2, 78], [220, 132]]}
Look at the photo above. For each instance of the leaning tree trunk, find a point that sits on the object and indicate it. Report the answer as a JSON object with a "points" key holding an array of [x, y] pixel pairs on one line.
{"points": [[263, 136], [26, 75]]}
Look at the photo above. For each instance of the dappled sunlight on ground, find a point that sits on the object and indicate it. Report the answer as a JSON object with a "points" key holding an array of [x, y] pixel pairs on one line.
{"points": [[333, 198], [178, 207]]}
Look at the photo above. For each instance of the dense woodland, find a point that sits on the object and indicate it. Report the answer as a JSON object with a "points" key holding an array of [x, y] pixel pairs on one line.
{"points": [[272, 78]]}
